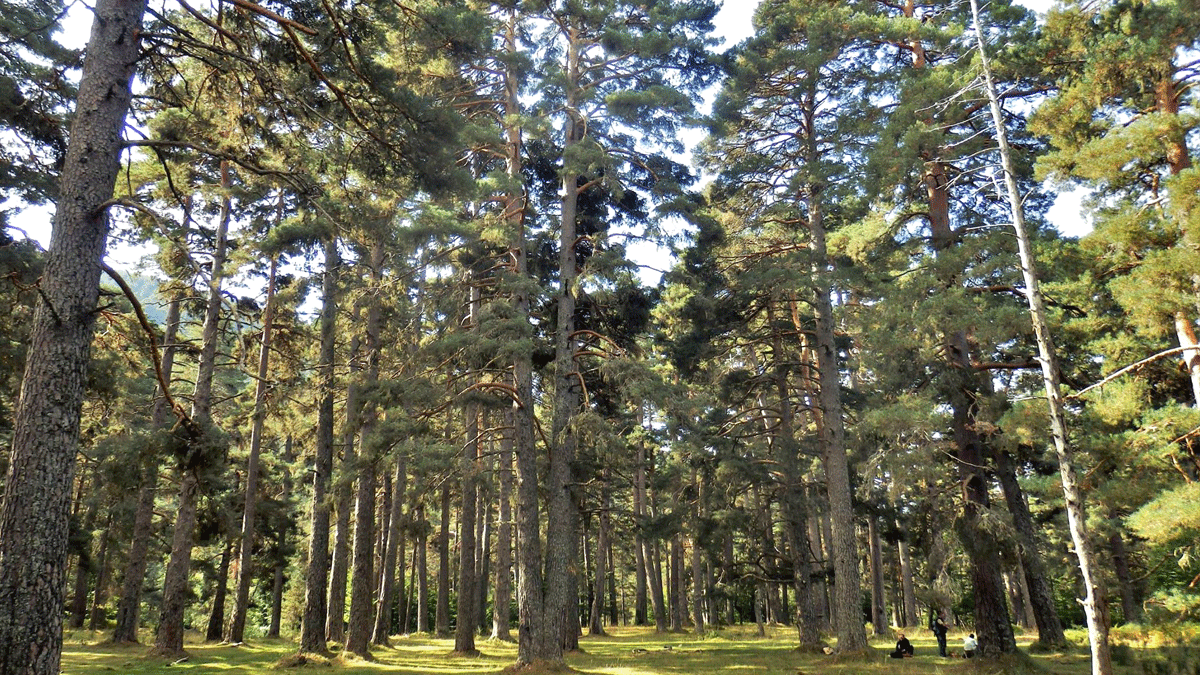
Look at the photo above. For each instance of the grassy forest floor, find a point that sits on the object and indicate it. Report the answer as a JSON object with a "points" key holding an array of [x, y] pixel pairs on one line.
{"points": [[626, 651]]}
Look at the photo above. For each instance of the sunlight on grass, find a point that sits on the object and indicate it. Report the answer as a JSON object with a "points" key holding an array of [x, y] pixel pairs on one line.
{"points": [[625, 651]]}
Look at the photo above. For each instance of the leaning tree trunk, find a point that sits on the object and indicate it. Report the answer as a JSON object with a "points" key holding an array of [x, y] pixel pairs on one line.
{"points": [[34, 516], [312, 627], [169, 640], [1094, 607], [241, 602], [1049, 626], [129, 605]]}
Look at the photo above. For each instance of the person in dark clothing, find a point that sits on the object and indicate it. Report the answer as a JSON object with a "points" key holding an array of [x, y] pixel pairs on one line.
{"points": [[904, 648], [939, 631]]}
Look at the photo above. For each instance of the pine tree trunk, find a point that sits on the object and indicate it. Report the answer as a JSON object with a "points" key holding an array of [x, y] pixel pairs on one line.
{"points": [[595, 619], [276, 601], [468, 582], [343, 491], [851, 634], [130, 603], [483, 539], [241, 603], [678, 594], [878, 609], [502, 595], [1050, 629], [906, 585], [216, 619], [83, 567], [99, 616], [422, 572], [640, 600], [697, 564], [395, 551], [362, 578], [34, 514], [442, 626], [312, 630], [169, 641], [1094, 606], [1131, 608]]}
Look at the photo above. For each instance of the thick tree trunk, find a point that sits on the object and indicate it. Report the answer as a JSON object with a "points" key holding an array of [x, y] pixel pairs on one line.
{"points": [[312, 631], [362, 577], [678, 594], [1050, 629], [878, 609], [169, 637], [241, 603], [130, 603], [216, 619], [442, 625], [34, 515]]}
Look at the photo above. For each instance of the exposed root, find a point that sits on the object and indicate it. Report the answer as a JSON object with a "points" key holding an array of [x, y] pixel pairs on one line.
{"points": [[538, 668], [302, 660]]}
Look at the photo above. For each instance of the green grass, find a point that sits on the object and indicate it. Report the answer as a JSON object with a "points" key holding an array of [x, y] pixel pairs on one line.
{"points": [[627, 651]]}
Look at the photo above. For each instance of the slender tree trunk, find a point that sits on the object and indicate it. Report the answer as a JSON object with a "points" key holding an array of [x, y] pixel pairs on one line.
{"points": [[216, 619], [35, 512], [468, 589], [502, 595], [483, 558], [169, 640], [697, 562], [678, 594], [276, 601], [1131, 608], [237, 622], [343, 491], [83, 567], [395, 552], [129, 605], [851, 634], [99, 617], [312, 631], [443, 591], [1094, 606], [595, 620], [640, 600], [906, 585], [422, 572]]}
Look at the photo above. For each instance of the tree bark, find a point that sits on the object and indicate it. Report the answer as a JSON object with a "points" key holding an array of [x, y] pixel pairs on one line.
{"points": [[276, 601], [241, 603], [343, 491], [312, 631], [362, 578], [878, 609], [502, 595], [34, 515], [169, 640], [1094, 606], [468, 589], [595, 619], [395, 551], [640, 601], [130, 604], [1131, 608], [422, 572], [443, 580], [906, 585], [99, 618], [1050, 629], [216, 619]]}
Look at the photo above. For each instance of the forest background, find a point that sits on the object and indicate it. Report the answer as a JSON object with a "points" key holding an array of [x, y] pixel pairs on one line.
{"points": [[393, 367]]}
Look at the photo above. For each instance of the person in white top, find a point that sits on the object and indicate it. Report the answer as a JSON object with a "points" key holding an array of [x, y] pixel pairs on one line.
{"points": [[969, 646]]}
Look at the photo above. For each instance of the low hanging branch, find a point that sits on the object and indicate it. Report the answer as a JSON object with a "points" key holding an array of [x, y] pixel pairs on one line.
{"points": [[1126, 369], [153, 348]]}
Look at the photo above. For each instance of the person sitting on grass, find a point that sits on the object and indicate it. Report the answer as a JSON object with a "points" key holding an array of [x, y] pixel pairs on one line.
{"points": [[969, 646], [904, 648]]}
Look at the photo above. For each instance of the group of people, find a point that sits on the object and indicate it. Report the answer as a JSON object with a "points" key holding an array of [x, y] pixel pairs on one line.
{"points": [[904, 648]]}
